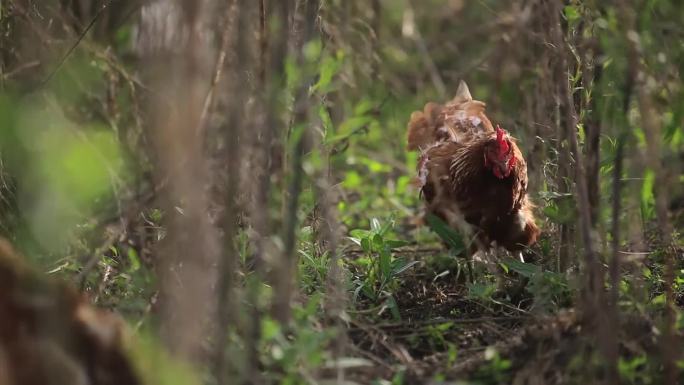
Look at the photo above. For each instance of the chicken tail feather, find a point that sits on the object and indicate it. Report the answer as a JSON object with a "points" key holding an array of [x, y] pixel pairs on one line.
{"points": [[423, 127]]}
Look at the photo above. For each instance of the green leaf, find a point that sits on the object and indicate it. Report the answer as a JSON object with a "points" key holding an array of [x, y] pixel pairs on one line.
{"points": [[647, 199], [374, 166], [448, 235], [359, 233], [363, 107], [270, 329], [368, 292], [560, 211], [352, 180], [328, 69], [385, 264], [375, 225], [133, 259], [391, 304], [378, 242], [326, 120], [659, 299], [348, 128], [156, 366], [366, 245], [156, 216], [527, 270], [293, 73], [312, 50], [647, 273], [355, 240], [389, 224], [480, 291], [395, 243], [443, 327], [399, 265], [452, 354]]}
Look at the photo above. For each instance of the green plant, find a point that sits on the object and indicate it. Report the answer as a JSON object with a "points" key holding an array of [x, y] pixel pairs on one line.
{"points": [[632, 370], [380, 267], [313, 265], [497, 368], [292, 352], [436, 336], [452, 238], [549, 289], [481, 291]]}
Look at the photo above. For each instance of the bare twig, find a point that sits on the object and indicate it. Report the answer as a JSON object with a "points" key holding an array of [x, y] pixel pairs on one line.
{"points": [[73, 47], [584, 208], [20, 68]]}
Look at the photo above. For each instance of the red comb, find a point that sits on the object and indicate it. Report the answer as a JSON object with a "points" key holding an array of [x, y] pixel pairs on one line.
{"points": [[504, 147], [499, 133]]}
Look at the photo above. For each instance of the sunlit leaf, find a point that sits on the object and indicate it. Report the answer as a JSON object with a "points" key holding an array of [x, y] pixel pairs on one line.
{"points": [[312, 50], [269, 329], [375, 224], [328, 69], [133, 259], [647, 198]]}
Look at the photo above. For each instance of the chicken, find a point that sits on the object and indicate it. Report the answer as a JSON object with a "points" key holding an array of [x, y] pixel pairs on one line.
{"points": [[473, 175], [50, 335]]}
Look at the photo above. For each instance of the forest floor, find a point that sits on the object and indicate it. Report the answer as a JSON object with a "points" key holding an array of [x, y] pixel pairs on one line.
{"points": [[446, 332], [502, 332]]}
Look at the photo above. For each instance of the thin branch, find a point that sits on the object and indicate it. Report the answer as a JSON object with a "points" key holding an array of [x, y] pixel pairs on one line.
{"points": [[73, 47], [584, 209]]}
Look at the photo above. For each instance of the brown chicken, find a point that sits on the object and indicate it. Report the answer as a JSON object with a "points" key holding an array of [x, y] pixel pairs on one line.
{"points": [[472, 175], [49, 334]]}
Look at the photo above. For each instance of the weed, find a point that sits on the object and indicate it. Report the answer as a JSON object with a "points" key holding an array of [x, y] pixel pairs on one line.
{"points": [[380, 267]]}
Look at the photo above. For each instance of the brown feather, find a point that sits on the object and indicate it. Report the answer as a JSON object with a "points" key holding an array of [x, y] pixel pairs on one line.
{"points": [[423, 127]]}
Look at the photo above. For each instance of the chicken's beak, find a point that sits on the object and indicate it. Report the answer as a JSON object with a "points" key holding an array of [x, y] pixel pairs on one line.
{"points": [[501, 170]]}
